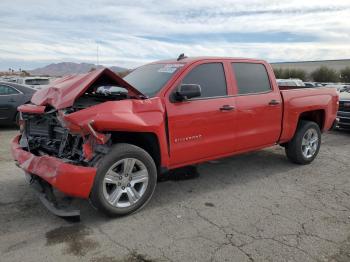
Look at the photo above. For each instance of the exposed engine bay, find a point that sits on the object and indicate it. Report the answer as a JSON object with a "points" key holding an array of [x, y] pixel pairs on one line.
{"points": [[45, 134], [45, 131], [99, 95]]}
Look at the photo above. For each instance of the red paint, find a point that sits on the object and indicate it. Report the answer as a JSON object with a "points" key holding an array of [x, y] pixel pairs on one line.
{"points": [[70, 179], [88, 150], [32, 109], [101, 138], [197, 130], [62, 92], [298, 101], [126, 115]]}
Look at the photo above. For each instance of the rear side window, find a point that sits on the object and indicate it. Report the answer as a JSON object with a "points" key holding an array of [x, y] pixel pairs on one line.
{"points": [[6, 90], [210, 77], [251, 78]]}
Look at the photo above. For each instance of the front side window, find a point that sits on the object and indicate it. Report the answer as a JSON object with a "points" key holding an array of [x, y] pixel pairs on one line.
{"points": [[6, 90], [149, 79], [211, 78], [251, 78]]}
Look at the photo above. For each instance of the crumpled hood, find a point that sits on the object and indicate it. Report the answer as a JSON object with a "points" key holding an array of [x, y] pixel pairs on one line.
{"points": [[63, 92]]}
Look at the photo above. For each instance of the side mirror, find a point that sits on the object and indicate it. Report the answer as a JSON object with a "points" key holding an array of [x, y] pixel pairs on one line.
{"points": [[187, 91]]}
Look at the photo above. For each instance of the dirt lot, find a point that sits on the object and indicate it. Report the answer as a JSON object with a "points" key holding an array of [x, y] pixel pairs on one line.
{"points": [[254, 207]]}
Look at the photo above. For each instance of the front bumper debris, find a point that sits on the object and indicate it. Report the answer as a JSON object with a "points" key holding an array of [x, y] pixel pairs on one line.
{"points": [[344, 120], [61, 207], [72, 180]]}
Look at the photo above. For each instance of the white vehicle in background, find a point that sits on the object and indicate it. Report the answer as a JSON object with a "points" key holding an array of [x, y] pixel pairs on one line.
{"points": [[36, 82], [290, 82], [343, 115], [339, 87], [312, 84], [10, 79]]}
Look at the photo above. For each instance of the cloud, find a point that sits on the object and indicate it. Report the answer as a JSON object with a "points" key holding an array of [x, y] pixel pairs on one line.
{"points": [[131, 33]]}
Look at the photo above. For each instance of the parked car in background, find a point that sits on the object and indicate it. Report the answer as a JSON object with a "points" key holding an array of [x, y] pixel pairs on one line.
{"points": [[312, 84], [339, 87], [110, 145], [344, 110], [8, 79], [290, 82], [36, 82], [11, 96]]}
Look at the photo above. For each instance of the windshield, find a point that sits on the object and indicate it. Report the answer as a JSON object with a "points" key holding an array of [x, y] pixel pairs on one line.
{"points": [[149, 79]]}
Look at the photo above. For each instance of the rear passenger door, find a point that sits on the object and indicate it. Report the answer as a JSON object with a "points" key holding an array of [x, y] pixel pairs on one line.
{"points": [[258, 104], [200, 128]]}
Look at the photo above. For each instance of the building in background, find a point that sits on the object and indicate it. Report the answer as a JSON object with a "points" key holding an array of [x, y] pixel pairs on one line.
{"points": [[310, 66]]}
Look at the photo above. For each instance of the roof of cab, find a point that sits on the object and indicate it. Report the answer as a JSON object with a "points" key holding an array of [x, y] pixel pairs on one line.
{"points": [[200, 58]]}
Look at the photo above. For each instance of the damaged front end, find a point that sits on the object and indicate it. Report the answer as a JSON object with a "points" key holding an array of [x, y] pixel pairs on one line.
{"points": [[48, 134], [54, 157], [58, 153]]}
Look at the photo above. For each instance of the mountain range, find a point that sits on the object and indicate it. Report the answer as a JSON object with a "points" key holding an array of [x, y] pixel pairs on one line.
{"points": [[67, 68]]}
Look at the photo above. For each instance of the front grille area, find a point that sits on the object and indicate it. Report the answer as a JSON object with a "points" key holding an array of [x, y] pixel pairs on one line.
{"points": [[344, 114], [344, 106], [45, 135]]}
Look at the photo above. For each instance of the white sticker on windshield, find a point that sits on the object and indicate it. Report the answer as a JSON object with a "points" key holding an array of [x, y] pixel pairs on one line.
{"points": [[169, 68]]}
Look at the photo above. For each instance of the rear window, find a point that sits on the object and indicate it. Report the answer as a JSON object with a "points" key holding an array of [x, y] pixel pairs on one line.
{"points": [[210, 77], [251, 78]]}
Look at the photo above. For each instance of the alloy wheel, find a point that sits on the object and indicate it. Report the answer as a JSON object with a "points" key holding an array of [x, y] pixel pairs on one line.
{"points": [[309, 143], [125, 182]]}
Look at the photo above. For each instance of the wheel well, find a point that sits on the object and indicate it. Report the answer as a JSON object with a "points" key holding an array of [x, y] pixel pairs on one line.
{"points": [[147, 141], [317, 116]]}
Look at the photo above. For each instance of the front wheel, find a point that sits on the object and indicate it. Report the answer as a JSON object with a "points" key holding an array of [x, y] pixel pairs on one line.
{"points": [[304, 146], [125, 180]]}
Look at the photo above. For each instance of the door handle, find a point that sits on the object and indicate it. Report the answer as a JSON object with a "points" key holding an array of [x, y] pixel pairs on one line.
{"points": [[274, 102], [227, 108], [12, 100]]}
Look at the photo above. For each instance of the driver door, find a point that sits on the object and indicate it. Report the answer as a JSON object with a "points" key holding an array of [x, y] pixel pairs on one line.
{"points": [[201, 128]]}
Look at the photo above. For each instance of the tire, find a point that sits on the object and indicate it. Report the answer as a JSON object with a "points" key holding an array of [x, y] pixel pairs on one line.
{"points": [[120, 193], [300, 149]]}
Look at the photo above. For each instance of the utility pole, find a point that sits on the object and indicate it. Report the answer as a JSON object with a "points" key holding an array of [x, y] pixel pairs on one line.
{"points": [[97, 58]]}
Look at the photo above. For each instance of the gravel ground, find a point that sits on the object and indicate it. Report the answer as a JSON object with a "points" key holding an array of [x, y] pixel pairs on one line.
{"points": [[253, 207]]}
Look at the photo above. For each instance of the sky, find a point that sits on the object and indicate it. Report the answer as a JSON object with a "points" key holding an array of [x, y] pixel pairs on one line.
{"points": [[128, 33]]}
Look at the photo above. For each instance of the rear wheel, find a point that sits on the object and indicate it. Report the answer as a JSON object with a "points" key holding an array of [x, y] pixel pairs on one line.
{"points": [[304, 146], [125, 180]]}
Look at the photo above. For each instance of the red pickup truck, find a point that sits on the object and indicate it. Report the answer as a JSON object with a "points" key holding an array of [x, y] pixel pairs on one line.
{"points": [[108, 139]]}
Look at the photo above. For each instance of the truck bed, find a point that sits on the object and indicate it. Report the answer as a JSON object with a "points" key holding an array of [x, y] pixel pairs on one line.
{"points": [[298, 100]]}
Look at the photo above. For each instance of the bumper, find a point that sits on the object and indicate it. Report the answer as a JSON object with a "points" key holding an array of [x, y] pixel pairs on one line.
{"points": [[71, 180], [344, 119]]}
